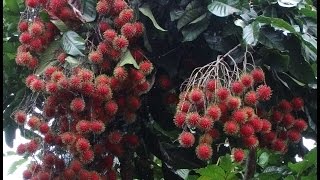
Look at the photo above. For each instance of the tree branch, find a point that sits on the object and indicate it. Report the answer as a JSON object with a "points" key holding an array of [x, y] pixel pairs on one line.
{"points": [[250, 165]]}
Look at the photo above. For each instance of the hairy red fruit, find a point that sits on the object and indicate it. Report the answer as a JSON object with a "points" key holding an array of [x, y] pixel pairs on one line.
{"points": [[30, 79], [77, 105], [32, 146], [36, 29], [143, 87], [186, 139], [82, 144], [297, 103], [43, 176], [97, 127], [69, 174], [104, 91], [86, 75], [120, 43], [83, 174], [193, 119], [57, 4], [246, 130], [285, 106], [27, 174], [214, 133], [146, 67], [269, 137], [179, 119], [67, 138], [25, 38], [300, 125], [109, 35], [75, 165], [23, 58], [288, 120], [115, 54], [139, 29], [264, 92], [223, 93], [214, 112], [233, 103], [111, 108], [132, 140], [102, 79], [164, 82], [87, 88], [204, 152], [44, 128], [102, 7], [51, 87], [184, 106], [115, 137], [49, 138], [34, 122], [239, 116], [21, 149], [266, 126], [23, 26], [126, 15], [134, 102], [20, 117], [250, 142], [137, 55], [120, 73], [118, 6], [256, 123], [108, 161], [237, 155], [103, 48], [32, 3], [237, 88], [211, 85], [257, 75], [83, 126], [87, 156], [231, 128], [36, 45], [205, 138], [294, 135], [57, 75], [249, 111], [246, 80], [205, 123], [128, 30], [48, 160], [49, 71], [33, 63], [251, 98], [279, 145], [95, 57], [103, 26], [37, 85], [196, 96], [276, 116]]}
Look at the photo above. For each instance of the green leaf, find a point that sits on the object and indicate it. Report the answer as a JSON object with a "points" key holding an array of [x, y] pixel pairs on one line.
{"points": [[308, 13], [269, 176], [311, 156], [10, 153], [226, 163], [128, 59], [277, 23], [189, 16], [85, 10], [145, 10], [232, 176], [288, 3], [271, 39], [176, 14], [312, 177], [60, 25], [10, 134], [263, 159], [212, 171], [191, 32], [192, 177], [73, 62], [221, 9], [291, 177], [73, 44], [250, 34], [276, 60], [299, 167], [14, 166], [12, 5], [310, 42], [48, 56], [301, 70]]}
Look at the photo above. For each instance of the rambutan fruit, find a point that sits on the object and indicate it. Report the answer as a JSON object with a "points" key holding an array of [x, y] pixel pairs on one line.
{"points": [[32, 3], [283, 135], [94, 176], [246, 80], [139, 29], [57, 75], [285, 106], [29, 79], [87, 156], [120, 43], [20, 117], [269, 137], [193, 118], [57, 4], [43, 176], [214, 133], [83, 144], [27, 174], [137, 55], [257, 75], [23, 58], [23, 26], [250, 142], [37, 85], [115, 84], [120, 73], [115, 54], [146, 67], [36, 45], [77, 105], [223, 108], [214, 112], [129, 117], [239, 116], [211, 85], [36, 29], [249, 111], [75, 165], [87, 88], [103, 26], [48, 160], [84, 174], [21, 149], [126, 15], [288, 120], [276, 116], [49, 71], [132, 140], [206, 138], [22, 48], [103, 48], [196, 96], [143, 87], [266, 126], [34, 122], [134, 102], [223, 93], [83, 126], [95, 57], [33, 63], [109, 35], [179, 119], [115, 137], [256, 123], [104, 91], [111, 107], [97, 127], [32, 146], [25, 38], [44, 128], [233, 103], [69, 174], [186, 139], [237, 88], [297, 103], [67, 138], [128, 30], [237, 155], [294, 135], [300, 125], [264, 92], [279, 145], [231, 128], [251, 98], [102, 79], [204, 151], [51, 87], [205, 123], [102, 7], [49, 138], [246, 130], [184, 106], [118, 6], [164, 82]]}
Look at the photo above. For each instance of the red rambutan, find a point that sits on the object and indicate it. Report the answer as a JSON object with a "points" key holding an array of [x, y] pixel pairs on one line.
{"points": [[257, 75], [204, 151], [97, 127], [23, 26], [118, 6], [239, 116], [264, 92], [67, 138], [294, 135], [205, 138], [251, 98], [32, 3], [109, 35], [25, 38], [103, 7], [237, 155], [83, 144], [269, 137], [233, 103], [250, 142], [256, 123], [193, 119], [21, 149], [34, 122], [75, 165], [83, 126], [288, 120], [276, 116], [36, 29], [184, 106], [246, 130], [237, 88], [104, 91], [246, 80], [179, 119], [214, 112], [115, 137], [186, 139], [139, 28], [134, 102], [164, 82], [32, 146], [300, 125], [297, 103], [87, 156], [103, 26], [279, 145], [196, 96], [205, 123], [120, 73], [27, 174], [120, 43], [111, 108], [231, 128], [128, 30], [95, 57], [223, 93], [77, 105], [44, 128], [146, 67], [20, 117], [214, 133], [266, 126], [126, 15]]}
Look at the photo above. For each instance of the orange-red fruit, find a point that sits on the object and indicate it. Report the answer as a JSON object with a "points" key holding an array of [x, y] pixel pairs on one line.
{"points": [[34, 122], [36, 29], [294, 135], [82, 145], [37, 85], [179, 119], [233, 103], [264, 92], [128, 30], [111, 108], [285, 106], [77, 105], [32, 146], [104, 91], [102, 7], [186, 139], [239, 116], [237, 88], [44, 128], [25, 38], [251, 142], [20, 117], [146, 67], [87, 156], [297, 103], [266, 126], [193, 119], [67, 138], [231, 128], [279, 145], [97, 127], [95, 57], [246, 130], [204, 151], [32, 3], [288, 120], [83, 126], [257, 75], [27, 174], [139, 29], [23, 26], [211, 85], [21, 149], [120, 43], [115, 137], [256, 123], [184, 106], [238, 155], [126, 15], [214, 112], [251, 98], [120, 73], [246, 80], [205, 123], [118, 6], [300, 125], [223, 93], [109, 35]]}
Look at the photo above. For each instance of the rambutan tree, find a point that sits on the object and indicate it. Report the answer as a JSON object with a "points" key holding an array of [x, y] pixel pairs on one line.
{"points": [[151, 89]]}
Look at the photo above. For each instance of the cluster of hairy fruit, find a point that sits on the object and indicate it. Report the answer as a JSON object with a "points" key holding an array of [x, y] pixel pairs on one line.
{"points": [[34, 38], [79, 126], [215, 112]]}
